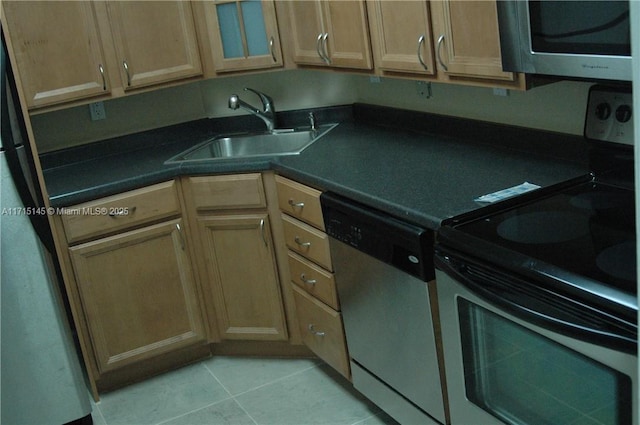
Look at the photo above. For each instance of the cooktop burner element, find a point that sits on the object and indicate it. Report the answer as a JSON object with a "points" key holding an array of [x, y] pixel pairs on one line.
{"points": [[599, 200], [587, 230], [541, 227], [619, 261]]}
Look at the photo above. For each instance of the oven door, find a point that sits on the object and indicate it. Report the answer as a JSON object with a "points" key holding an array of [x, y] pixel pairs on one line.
{"points": [[525, 364]]}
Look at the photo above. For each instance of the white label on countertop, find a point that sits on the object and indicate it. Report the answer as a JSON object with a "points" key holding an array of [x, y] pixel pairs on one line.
{"points": [[507, 193]]}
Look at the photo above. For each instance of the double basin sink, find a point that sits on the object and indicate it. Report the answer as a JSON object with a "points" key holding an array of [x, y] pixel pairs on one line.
{"points": [[275, 143]]}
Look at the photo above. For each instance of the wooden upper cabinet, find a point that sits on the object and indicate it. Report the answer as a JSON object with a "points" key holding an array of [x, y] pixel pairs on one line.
{"points": [[244, 34], [307, 30], [73, 50], [155, 41], [468, 40], [401, 36], [332, 33], [58, 50]]}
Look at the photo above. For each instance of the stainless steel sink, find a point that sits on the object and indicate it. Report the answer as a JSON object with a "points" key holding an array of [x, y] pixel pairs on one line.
{"points": [[278, 142]]}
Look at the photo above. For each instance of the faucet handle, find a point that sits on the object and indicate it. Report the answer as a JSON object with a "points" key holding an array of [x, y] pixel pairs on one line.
{"points": [[267, 102]]}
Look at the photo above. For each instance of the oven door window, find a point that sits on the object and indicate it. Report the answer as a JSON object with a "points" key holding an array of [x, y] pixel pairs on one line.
{"points": [[521, 377]]}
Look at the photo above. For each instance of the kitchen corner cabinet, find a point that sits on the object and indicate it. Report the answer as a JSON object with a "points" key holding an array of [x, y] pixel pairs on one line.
{"points": [[243, 34], [468, 40], [330, 33], [236, 256], [311, 271], [401, 36], [134, 276], [100, 49]]}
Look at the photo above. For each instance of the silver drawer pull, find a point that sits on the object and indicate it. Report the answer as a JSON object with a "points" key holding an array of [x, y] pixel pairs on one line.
{"points": [[314, 331], [304, 279], [121, 212], [300, 243], [296, 204]]}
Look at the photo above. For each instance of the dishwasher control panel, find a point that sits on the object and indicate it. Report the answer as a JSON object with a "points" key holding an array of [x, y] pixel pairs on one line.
{"points": [[380, 235]]}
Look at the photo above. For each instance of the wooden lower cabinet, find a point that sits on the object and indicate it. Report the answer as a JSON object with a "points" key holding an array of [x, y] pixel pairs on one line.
{"points": [[139, 294], [310, 272], [322, 331], [241, 276]]}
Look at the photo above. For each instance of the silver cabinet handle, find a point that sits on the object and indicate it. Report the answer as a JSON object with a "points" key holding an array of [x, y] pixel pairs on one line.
{"points": [[116, 212], [326, 57], [440, 42], [264, 237], [125, 65], [318, 46], [179, 229], [300, 243], [304, 279], [271, 49], [312, 329], [294, 204], [420, 44], [104, 81]]}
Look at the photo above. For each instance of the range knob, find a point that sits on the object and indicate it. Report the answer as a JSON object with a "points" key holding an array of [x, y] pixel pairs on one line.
{"points": [[603, 111], [623, 113]]}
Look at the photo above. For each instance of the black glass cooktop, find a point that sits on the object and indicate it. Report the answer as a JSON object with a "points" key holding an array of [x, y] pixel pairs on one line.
{"points": [[587, 230]]}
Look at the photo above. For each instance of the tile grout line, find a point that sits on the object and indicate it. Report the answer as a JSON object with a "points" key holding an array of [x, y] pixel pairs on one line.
{"points": [[235, 397], [274, 381], [229, 397], [245, 411]]}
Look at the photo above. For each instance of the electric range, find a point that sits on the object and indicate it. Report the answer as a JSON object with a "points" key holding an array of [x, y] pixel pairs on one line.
{"points": [[579, 237], [537, 293]]}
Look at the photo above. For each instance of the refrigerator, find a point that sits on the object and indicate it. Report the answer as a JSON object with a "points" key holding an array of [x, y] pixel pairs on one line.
{"points": [[41, 378]]}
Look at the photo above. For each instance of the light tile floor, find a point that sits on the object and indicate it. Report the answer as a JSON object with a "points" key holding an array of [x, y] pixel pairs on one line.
{"points": [[241, 391]]}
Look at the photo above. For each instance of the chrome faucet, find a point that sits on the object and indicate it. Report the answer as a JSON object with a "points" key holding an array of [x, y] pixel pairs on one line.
{"points": [[268, 114]]}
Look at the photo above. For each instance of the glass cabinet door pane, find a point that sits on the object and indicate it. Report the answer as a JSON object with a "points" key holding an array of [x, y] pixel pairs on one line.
{"points": [[254, 28], [229, 22], [522, 377]]}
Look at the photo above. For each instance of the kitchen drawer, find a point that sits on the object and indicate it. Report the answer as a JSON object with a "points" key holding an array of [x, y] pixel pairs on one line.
{"points": [[122, 211], [300, 201], [313, 279], [322, 331], [307, 241], [227, 192]]}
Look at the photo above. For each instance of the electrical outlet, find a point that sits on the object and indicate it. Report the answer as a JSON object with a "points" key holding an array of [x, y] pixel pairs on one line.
{"points": [[423, 88], [97, 111], [497, 91]]}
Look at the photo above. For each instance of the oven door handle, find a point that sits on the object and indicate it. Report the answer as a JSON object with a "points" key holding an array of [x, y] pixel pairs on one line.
{"points": [[543, 307]]}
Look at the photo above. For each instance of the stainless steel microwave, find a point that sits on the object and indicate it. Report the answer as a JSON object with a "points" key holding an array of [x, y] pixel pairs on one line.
{"points": [[581, 39]]}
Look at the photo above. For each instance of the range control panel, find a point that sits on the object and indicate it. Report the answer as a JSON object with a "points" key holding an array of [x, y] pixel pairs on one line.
{"points": [[609, 115]]}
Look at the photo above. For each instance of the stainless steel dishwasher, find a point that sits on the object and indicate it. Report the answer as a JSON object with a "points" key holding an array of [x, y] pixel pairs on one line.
{"points": [[384, 269]]}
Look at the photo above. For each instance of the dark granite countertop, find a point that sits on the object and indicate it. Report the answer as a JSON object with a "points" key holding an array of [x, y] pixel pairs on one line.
{"points": [[421, 167]]}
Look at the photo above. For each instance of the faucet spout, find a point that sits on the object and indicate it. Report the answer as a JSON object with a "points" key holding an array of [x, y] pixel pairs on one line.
{"points": [[267, 114]]}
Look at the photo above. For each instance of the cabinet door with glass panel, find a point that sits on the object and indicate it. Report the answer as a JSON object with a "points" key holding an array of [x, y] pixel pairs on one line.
{"points": [[244, 34]]}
